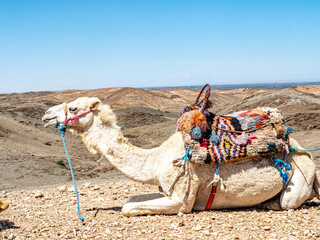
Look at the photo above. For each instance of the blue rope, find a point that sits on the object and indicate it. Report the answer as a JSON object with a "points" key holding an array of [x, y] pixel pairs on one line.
{"points": [[217, 168], [280, 164], [292, 149], [62, 131], [186, 156]]}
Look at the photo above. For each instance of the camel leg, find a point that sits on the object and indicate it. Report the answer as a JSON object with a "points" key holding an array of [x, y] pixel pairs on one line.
{"points": [[182, 199], [300, 187], [164, 205], [145, 197], [316, 185]]}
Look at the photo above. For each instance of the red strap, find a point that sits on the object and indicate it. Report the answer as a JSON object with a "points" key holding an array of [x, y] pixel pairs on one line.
{"points": [[213, 192], [75, 118]]}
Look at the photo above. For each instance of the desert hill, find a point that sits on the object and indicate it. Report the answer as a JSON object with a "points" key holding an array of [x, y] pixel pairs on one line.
{"points": [[173, 99], [34, 156]]}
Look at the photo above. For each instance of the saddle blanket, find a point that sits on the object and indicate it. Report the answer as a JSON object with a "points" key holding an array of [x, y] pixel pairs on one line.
{"points": [[212, 138]]}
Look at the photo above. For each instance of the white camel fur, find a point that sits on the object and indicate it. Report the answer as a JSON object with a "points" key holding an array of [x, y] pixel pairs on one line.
{"points": [[243, 184]]}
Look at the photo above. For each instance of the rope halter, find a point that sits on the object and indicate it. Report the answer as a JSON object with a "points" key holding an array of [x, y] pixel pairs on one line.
{"points": [[74, 118]]}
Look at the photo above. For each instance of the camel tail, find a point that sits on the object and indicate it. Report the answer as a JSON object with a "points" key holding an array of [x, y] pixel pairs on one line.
{"points": [[316, 185]]}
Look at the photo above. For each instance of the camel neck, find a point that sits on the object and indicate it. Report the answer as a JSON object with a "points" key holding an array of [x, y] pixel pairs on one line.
{"points": [[136, 163]]}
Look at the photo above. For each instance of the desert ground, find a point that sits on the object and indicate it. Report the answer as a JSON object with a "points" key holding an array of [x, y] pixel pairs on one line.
{"points": [[35, 176]]}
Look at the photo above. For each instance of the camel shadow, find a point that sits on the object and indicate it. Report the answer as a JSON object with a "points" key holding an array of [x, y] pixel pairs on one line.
{"points": [[6, 224], [262, 208], [114, 209]]}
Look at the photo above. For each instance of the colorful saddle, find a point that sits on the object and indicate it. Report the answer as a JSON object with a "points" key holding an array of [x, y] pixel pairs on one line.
{"points": [[247, 134]]}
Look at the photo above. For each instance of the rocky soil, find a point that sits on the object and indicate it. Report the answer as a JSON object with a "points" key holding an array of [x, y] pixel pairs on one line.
{"points": [[50, 213]]}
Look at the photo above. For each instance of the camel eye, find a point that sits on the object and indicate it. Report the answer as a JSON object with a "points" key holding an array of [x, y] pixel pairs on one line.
{"points": [[72, 109]]}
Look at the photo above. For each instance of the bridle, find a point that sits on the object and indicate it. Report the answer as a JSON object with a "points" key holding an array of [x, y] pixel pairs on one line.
{"points": [[74, 118]]}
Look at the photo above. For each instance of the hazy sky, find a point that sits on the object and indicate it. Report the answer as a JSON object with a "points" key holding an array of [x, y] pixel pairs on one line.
{"points": [[74, 44]]}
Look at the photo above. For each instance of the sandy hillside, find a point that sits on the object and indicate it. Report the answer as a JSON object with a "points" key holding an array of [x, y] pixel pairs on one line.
{"points": [[33, 158]]}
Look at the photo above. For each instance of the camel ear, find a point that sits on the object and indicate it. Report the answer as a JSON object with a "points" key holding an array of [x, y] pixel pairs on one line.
{"points": [[95, 104]]}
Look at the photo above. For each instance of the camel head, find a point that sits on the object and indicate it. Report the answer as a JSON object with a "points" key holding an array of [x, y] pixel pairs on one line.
{"points": [[79, 114]]}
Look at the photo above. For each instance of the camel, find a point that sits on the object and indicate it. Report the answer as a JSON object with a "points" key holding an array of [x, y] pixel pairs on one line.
{"points": [[185, 186]]}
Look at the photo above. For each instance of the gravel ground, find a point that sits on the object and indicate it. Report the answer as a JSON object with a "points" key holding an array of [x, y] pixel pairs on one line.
{"points": [[50, 213]]}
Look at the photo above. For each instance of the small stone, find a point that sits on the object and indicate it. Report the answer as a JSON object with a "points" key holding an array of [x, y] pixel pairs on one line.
{"points": [[215, 235], [38, 194], [62, 188], [11, 236], [75, 232], [95, 187], [181, 223], [266, 228], [197, 228], [88, 185], [180, 214], [306, 232]]}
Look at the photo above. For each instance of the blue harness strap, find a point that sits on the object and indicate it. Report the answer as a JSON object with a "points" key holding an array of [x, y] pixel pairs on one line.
{"points": [[186, 156], [62, 131], [282, 167]]}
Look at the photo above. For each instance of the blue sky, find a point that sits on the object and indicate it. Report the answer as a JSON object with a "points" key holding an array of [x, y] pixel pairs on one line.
{"points": [[74, 44]]}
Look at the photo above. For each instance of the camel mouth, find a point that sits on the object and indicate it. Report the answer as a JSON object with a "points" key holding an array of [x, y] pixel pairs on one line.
{"points": [[50, 122]]}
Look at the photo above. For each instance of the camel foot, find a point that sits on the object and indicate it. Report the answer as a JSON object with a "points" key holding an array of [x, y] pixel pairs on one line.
{"points": [[162, 205], [3, 205]]}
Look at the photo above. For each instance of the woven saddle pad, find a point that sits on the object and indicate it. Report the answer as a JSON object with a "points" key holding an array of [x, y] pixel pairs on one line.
{"points": [[212, 139]]}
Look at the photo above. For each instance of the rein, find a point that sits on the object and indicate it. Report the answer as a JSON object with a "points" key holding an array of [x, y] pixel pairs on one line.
{"points": [[62, 131]]}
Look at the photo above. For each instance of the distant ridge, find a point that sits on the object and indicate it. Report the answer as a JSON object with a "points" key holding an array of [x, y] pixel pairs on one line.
{"points": [[244, 85]]}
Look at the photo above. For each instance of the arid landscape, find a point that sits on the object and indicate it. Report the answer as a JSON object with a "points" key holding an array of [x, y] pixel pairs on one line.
{"points": [[35, 176]]}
